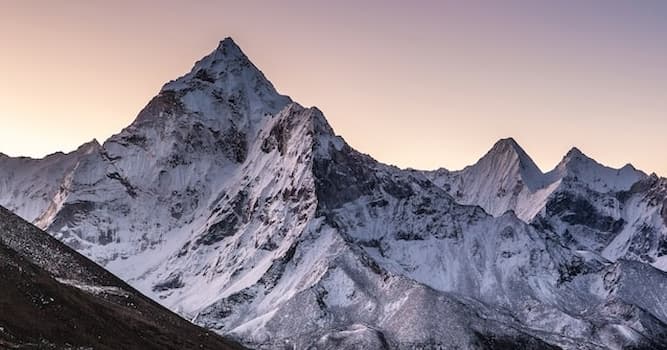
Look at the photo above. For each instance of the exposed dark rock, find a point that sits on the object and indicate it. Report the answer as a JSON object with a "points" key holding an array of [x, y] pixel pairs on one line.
{"points": [[343, 178], [135, 139], [71, 213], [408, 236], [643, 240], [204, 75], [320, 297], [165, 104], [662, 247], [641, 186], [425, 207], [507, 254], [225, 227], [177, 159], [174, 281], [372, 264], [507, 233], [503, 342], [278, 137], [225, 307], [131, 190], [275, 272], [235, 213], [567, 239], [234, 145], [269, 245], [397, 189], [184, 249], [176, 211], [109, 157], [567, 272], [379, 203], [294, 195], [541, 223], [576, 210], [106, 237]]}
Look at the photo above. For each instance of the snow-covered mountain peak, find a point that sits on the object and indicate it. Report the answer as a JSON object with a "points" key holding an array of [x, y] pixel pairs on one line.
{"points": [[508, 157], [575, 152], [223, 90], [506, 178], [508, 143], [508, 149], [575, 160], [223, 67], [577, 166], [497, 182], [227, 54]]}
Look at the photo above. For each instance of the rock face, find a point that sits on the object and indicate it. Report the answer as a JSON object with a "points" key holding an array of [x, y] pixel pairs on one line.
{"points": [[244, 212], [54, 298]]}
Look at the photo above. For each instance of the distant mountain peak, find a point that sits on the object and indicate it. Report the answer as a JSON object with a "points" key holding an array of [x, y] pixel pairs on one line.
{"points": [[577, 165], [575, 159], [507, 142], [506, 153], [509, 146], [505, 145], [576, 155]]}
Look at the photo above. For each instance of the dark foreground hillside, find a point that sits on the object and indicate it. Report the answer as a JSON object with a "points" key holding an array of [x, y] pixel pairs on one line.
{"points": [[53, 298]]}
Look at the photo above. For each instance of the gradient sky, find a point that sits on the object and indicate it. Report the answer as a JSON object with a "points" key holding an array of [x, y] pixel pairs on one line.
{"points": [[420, 83]]}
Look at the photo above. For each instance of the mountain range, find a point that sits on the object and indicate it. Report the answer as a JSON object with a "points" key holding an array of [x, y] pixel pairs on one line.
{"points": [[243, 211]]}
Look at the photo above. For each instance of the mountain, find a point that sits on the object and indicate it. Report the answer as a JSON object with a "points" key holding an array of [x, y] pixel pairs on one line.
{"points": [[243, 211], [615, 213], [54, 298], [506, 178]]}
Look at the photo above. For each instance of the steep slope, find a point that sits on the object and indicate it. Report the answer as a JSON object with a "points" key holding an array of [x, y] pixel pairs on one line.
{"points": [[31, 187], [412, 228], [576, 166], [54, 298], [244, 212], [613, 212], [506, 178]]}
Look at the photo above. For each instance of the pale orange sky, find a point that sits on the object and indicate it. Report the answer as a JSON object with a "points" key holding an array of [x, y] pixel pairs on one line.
{"points": [[429, 84]]}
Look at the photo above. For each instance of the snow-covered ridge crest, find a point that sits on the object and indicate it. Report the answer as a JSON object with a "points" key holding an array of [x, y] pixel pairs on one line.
{"points": [[598, 177], [507, 179]]}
